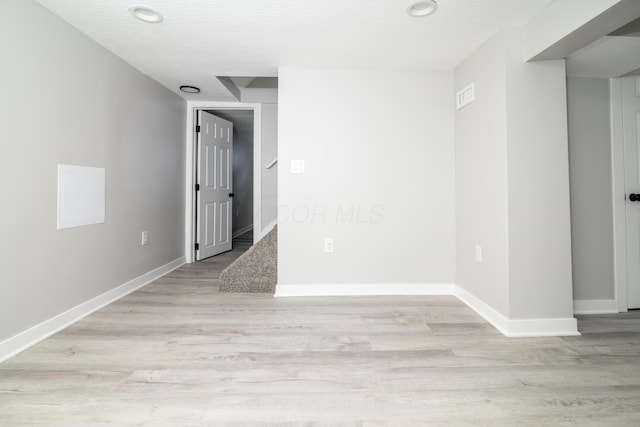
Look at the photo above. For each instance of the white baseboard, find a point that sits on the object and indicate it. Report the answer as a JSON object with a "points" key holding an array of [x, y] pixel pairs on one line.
{"points": [[487, 312], [20, 342], [596, 306], [508, 327], [327, 290], [518, 327], [242, 231]]}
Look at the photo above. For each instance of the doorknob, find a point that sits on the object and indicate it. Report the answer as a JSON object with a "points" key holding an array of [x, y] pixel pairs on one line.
{"points": [[233, 195], [634, 197]]}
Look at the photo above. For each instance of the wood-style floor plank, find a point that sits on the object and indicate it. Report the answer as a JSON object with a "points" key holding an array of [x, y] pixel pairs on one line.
{"points": [[177, 352]]}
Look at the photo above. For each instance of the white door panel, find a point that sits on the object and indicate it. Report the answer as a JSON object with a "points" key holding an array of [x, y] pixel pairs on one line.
{"points": [[631, 124], [215, 160]]}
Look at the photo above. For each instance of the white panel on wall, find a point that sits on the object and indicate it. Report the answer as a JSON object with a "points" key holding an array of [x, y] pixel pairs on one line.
{"points": [[81, 196]]}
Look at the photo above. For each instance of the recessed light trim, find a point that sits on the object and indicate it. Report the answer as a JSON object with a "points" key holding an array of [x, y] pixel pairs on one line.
{"points": [[422, 8], [146, 14], [190, 89]]}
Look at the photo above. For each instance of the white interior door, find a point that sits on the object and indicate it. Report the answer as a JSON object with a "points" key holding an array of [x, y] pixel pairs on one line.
{"points": [[214, 186], [631, 125]]}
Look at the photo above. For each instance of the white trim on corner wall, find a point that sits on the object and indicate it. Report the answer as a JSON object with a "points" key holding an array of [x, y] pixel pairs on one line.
{"points": [[518, 327], [527, 328], [605, 306], [618, 190], [487, 312], [190, 179], [332, 290], [20, 342], [508, 327]]}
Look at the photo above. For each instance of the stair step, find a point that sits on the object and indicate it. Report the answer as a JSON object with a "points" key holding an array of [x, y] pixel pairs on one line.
{"points": [[255, 270]]}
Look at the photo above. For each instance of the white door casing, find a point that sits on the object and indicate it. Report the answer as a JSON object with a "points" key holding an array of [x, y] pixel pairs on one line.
{"points": [[631, 135], [215, 183]]}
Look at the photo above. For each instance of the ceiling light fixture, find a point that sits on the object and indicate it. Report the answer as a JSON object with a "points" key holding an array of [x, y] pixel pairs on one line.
{"points": [[421, 8], [146, 14], [190, 89]]}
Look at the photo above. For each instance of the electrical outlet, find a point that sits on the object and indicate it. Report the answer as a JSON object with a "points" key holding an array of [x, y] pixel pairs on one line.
{"points": [[478, 253], [328, 245], [145, 238]]}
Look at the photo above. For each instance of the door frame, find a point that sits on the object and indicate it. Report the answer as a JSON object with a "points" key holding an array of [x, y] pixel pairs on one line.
{"points": [[618, 196], [190, 167]]}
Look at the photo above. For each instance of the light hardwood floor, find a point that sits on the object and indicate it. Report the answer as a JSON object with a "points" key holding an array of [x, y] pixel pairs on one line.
{"points": [[177, 352]]}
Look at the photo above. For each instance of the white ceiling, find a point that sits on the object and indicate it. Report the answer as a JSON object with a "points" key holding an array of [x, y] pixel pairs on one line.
{"points": [[201, 39]]}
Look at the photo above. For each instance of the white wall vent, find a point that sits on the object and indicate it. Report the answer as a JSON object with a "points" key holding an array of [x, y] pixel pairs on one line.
{"points": [[465, 96]]}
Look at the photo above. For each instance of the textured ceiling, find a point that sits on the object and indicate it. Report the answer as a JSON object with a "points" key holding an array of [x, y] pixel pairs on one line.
{"points": [[201, 39]]}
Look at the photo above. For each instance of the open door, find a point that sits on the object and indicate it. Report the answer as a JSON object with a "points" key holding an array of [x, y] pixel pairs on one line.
{"points": [[214, 186], [631, 121]]}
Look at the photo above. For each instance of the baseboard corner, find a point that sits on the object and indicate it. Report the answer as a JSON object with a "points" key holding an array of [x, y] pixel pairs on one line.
{"points": [[546, 327]]}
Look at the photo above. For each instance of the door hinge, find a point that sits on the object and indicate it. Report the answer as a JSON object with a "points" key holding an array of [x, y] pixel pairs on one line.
{"points": [[198, 128], [197, 246], [197, 187]]}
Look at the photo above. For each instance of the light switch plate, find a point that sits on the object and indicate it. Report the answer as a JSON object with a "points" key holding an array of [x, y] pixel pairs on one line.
{"points": [[328, 245], [297, 166]]}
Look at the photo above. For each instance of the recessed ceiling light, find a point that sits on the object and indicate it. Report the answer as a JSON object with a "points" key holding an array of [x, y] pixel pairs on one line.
{"points": [[420, 8], [146, 14], [190, 89]]}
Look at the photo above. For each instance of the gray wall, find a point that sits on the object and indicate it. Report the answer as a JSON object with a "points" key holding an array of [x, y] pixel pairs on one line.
{"points": [[513, 198], [378, 147], [268, 98], [538, 169], [481, 177], [67, 100], [591, 188], [269, 152]]}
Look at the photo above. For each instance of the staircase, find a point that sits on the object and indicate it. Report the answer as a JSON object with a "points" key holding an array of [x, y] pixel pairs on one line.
{"points": [[255, 270]]}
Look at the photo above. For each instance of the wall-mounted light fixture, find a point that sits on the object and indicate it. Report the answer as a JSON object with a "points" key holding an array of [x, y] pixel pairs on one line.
{"points": [[421, 8]]}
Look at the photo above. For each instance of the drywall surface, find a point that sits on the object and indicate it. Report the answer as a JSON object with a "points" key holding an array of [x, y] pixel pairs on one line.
{"points": [[481, 177], [268, 98], [540, 282], [512, 182], [67, 100], [591, 188], [378, 155], [269, 174], [567, 25]]}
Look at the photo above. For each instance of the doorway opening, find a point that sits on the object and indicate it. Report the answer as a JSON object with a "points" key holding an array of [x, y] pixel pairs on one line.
{"points": [[625, 108], [248, 119]]}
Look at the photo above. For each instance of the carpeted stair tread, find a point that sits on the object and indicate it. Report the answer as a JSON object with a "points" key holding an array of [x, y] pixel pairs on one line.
{"points": [[255, 270]]}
